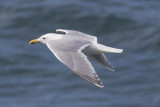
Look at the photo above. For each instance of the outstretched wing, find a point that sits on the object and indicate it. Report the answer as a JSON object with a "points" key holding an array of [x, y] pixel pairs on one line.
{"points": [[77, 33], [68, 51], [102, 60]]}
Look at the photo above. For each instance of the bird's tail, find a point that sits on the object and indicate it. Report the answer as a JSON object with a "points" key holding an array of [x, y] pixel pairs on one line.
{"points": [[106, 49]]}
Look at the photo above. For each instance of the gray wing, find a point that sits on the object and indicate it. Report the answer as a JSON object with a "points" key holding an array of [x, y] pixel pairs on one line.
{"points": [[102, 60], [77, 33], [68, 51]]}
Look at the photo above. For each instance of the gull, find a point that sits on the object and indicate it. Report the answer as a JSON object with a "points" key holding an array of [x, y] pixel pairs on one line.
{"points": [[73, 47]]}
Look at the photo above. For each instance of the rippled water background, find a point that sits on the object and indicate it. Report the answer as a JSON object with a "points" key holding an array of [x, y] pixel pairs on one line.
{"points": [[31, 77]]}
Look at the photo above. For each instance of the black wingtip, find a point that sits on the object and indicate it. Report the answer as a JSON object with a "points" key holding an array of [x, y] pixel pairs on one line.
{"points": [[99, 84], [112, 69]]}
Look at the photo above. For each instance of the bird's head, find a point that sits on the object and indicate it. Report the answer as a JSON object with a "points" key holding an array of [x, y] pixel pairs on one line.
{"points": [[47, 37]]}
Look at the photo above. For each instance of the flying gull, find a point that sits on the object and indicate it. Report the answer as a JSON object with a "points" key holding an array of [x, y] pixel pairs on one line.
{"points": [[73, 47]]}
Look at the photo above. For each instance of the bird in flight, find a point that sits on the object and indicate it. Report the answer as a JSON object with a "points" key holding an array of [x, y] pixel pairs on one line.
{"points": [[73, 47]]}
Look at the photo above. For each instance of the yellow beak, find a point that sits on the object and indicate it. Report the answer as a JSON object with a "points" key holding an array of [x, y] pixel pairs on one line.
{"points": [[34, 41]]}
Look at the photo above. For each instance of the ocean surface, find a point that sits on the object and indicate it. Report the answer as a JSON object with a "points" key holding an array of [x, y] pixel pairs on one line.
{"points": [[30, 76]]}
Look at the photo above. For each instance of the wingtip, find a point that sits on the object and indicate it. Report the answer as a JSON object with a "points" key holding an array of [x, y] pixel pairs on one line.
{"points": [[112, 70], [102, 86], [99, 84]]}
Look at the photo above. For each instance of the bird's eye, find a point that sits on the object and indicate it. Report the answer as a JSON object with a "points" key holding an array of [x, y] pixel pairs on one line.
{"points": [[43, 38]]}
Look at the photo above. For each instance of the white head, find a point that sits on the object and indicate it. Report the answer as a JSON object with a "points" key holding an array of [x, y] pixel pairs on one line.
{"points": [[47, 37]]}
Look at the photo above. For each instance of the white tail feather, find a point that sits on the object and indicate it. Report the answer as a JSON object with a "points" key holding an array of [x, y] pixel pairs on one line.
{"points": [[107, 49]]}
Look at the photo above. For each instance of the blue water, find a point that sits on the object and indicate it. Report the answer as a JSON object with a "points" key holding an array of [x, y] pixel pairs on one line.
{"points": [[30, 76]]}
